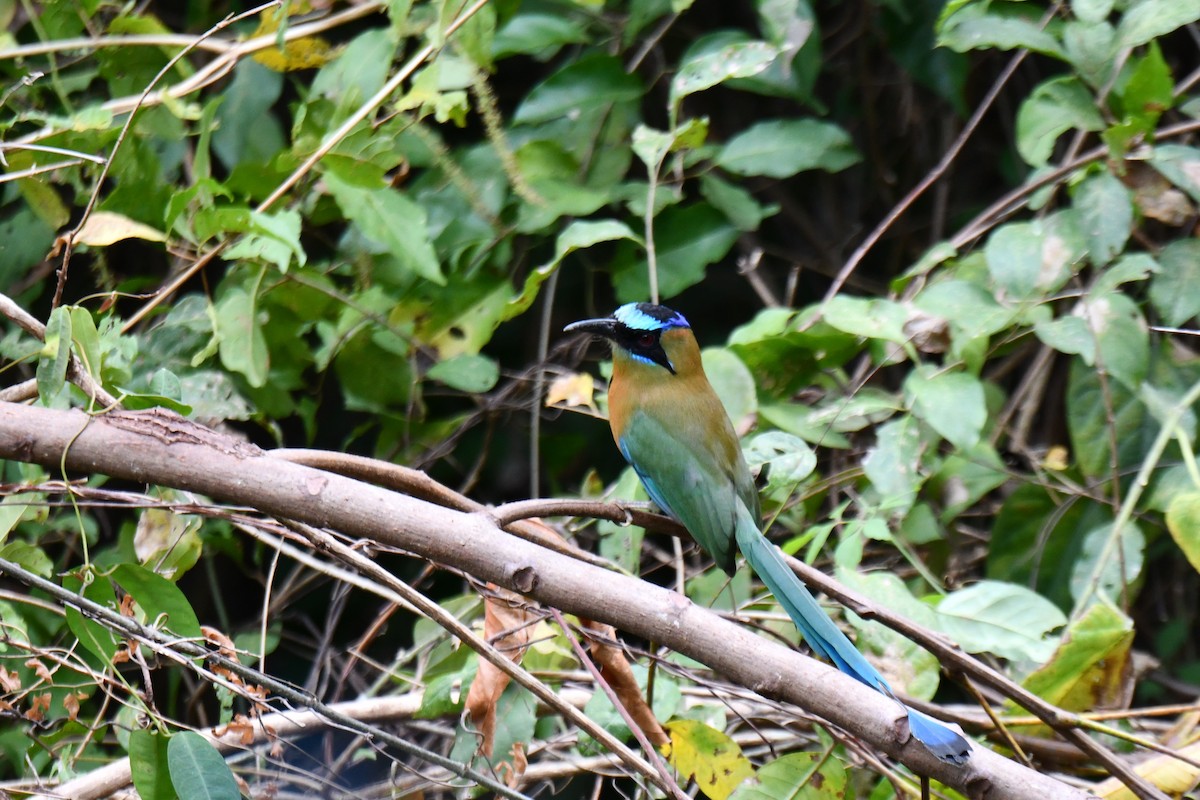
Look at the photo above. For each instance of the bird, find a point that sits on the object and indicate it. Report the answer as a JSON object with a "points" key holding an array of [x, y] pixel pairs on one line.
{"points": [[671, 427]]}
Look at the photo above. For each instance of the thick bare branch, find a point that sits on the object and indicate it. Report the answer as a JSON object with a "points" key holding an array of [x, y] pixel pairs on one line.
{"points": [[162, 448]]}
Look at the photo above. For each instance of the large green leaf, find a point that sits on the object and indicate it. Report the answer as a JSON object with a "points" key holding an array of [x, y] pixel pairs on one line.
{"points": [[688, 239], [952, 403], [797, 776], [1150, 19], [162, 601], [1183, 521], [1056, 106], [1004, 619], [1089, 668], [593, 80], [971, 27], [893, 464], [149, 765], [781, 148], [198, 772], [1173, 289], [393, 221], [1033, 259], [739, 60], [1105, 215], [1110, 561]]}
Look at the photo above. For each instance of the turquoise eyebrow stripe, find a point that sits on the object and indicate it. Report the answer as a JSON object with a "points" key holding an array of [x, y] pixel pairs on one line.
{"points": [[632, 316]]}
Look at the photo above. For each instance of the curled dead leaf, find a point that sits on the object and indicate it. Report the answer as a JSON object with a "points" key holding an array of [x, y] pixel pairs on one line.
{"points": [[615, 669], [506, 624], [103, 228]]}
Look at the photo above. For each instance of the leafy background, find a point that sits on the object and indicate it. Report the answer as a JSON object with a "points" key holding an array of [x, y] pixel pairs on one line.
{"points": [[942, 260]]}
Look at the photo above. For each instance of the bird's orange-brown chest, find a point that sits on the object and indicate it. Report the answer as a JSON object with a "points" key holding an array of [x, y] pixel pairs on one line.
{"points": [[683, 401]]}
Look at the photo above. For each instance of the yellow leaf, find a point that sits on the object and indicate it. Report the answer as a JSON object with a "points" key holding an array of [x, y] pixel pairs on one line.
{"points": [[707, 756], [1090, 667], [1057, 458], [1183, 521], [103, 228], [1169, 774], [574, 389], [307, 53]]}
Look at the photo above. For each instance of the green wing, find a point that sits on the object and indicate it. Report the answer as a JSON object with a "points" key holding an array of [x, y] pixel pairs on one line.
{"points": [[685, 479]]}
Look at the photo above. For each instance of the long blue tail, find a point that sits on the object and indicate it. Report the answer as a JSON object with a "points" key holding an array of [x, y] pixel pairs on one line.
{"points": [[826, 639]]}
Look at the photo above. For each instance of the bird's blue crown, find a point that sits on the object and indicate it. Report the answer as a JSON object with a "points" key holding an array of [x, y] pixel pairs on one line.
{"points": [[649, 317]]}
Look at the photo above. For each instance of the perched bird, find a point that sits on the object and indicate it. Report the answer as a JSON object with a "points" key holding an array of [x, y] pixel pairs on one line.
{"points": [[672, 429]]}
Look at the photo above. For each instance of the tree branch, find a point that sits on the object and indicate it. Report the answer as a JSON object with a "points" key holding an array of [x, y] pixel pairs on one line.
{"points": [[161, 447]]}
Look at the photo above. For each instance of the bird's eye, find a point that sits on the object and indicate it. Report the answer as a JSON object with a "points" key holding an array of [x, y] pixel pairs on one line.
{"points": [[646, 340]]}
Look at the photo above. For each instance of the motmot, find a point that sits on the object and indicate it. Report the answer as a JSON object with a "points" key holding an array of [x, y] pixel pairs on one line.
{"points": [[673, 430]]}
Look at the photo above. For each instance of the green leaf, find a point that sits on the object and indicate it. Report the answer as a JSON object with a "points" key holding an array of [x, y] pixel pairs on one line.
{"points": [[737, 204], [1091, 49], [1032, 259], [242, 345], [708, 756], [952, 403], [871, 319], [246, 131], [969, 308], [1150, 19], [537, 34], [786, 459], [1088, 668], [358, 72], [972, 28], [468, 373], [1068, 335], [388, 218], [1036, 538], [55, 355], [1004, 619], [1056, 106], [1109, 563], [1147, 92], [161, 600], [732, 381], [1092, 10], [148, 765], [1091, 430], [1180, 165], [1105, 216], [797, 776], [622, 544], [1127, 269], [1122, 339], [273, 238], [1173, 289], [1183, 521], [893, 464], [95, 638], [688, 239], [198, 772], [29, 556], [446, 684], [11, 511], [579, 235], [740, 60], [592, 81], [781, 148]]}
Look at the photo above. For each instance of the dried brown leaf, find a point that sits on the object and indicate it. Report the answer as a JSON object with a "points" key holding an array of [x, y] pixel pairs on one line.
{"points": [[507, 625], [615, 669]]}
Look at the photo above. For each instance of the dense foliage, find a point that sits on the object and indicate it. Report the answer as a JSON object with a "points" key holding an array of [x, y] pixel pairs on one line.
{"points": [[361, 227]]}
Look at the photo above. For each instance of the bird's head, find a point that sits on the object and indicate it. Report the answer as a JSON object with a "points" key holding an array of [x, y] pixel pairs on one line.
{"points": [[646, 333]]}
